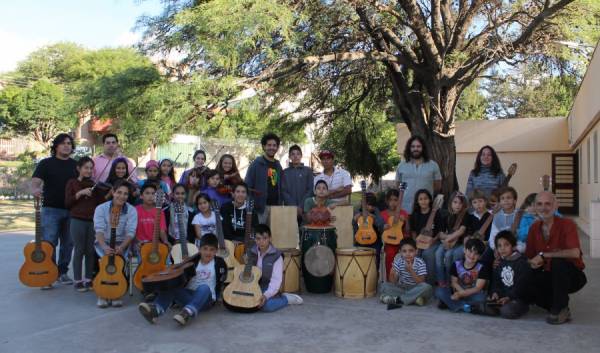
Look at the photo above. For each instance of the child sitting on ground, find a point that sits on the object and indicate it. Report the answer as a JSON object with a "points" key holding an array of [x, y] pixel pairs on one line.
{"points": [[407, 279]]}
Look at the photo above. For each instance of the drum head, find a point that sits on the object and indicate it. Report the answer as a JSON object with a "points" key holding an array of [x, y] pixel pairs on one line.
{"points": [[319, 261]]}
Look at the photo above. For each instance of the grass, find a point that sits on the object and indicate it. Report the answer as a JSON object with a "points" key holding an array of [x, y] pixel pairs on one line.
{"points": [[16, 214], [10, 164]]}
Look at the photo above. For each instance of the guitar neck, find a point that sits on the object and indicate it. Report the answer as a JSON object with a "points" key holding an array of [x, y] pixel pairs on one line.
{"points": [[38, 228], [156, 230], [487, 223], [219, 226], [429, 224], [516, 222], [459, 220], [363, 205]]}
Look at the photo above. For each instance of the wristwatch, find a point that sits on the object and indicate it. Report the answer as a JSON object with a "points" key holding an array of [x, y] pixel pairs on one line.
{"points": [[541, 254]]}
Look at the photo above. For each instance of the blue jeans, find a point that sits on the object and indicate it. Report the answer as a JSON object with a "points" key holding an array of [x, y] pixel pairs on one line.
{"points": [[275, 303], [195, 301], [444, 294], [55, 229], [444, 259], [428, 256]]}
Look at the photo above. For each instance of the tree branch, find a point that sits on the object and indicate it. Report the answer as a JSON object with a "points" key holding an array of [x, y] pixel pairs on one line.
{"points": [[419, 27]]}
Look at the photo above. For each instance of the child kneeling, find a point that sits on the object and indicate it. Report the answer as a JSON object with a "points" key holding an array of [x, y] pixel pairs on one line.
{"points": [[407, 280], [468, 279], [201, 291]]}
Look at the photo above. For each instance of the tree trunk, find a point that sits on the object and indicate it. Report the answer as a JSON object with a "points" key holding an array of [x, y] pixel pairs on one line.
{"points": [[443, 151]]}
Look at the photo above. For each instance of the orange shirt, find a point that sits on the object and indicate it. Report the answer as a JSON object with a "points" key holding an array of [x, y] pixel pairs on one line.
{"points": [[563, 236]]}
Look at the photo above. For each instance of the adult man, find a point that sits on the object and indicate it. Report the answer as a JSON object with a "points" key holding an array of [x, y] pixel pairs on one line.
{"points": [[110, 152], [554, 254], [417, 171], [264, 178], [298, 181], [338, 180], [50, 180]]}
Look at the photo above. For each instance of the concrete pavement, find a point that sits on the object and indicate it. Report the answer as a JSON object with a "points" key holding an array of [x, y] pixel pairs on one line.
{"points": [[62, 320]]}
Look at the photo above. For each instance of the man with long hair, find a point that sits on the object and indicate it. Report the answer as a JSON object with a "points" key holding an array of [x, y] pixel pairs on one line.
{"points": [[418, 171]]}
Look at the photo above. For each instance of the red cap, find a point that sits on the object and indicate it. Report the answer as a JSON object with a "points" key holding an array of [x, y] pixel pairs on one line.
{"points": [[326, 153]]}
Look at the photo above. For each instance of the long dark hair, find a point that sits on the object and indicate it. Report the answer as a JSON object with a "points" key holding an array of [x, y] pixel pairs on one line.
{"points": [[171, 174], [234, 168], [416, 207], [112, 174], [424, 153], [495, 167], [60, 138]]}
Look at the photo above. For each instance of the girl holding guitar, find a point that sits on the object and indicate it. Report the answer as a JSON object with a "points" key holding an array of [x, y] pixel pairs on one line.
{"points": [[124, 230], [451, 247]]}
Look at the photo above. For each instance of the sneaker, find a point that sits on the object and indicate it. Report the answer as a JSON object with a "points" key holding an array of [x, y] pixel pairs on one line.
{"points": [[89, 285], [562, 317], [65, 279], [183, 317], [102, 303], [420, 301], [148, 311], [388, 299], [46, 287], [149, 297], [80, 287], [116, 303], [393, 306], [442, 305], [293, 299]]}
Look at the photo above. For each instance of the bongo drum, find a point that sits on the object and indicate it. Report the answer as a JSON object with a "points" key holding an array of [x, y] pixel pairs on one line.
{"points": [[318, 259], [291, 271], [355, 273]]}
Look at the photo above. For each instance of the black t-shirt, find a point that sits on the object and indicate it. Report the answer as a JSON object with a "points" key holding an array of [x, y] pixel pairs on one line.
{"points": [[273, 180], [55, 173], [234, 222], [474, 224], [418, 221], [467, 277]]}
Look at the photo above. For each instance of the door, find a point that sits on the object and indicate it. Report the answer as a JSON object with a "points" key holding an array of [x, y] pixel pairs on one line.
{"points": [[565, 182]]}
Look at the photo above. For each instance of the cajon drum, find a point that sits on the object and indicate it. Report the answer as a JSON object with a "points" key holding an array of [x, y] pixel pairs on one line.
{"points": [[284, 226], [343, 224]]}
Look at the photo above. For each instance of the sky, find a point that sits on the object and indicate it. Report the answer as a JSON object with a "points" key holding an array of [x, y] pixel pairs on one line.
{"points": [[26, 25]]}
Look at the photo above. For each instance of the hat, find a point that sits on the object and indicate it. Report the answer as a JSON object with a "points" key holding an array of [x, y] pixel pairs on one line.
{"points": [[326, 153], [151, 163]]}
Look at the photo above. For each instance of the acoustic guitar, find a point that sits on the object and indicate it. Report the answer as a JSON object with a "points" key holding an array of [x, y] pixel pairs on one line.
{"points": [[365, 234], [511, 172], [425, 238], [110, 282], [243, 293], [183, 249], [154, 254], [480, 233], [39, 269], [226, 247], [393, 235], [174, 276], [457, 224]]}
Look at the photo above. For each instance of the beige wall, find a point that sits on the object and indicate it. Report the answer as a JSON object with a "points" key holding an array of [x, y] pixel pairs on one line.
{"points": [[589, 168], [586, 107]]}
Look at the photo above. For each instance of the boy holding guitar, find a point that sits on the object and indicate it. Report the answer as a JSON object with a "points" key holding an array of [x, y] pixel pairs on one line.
{"points": [[201, 291], [124, 231]]}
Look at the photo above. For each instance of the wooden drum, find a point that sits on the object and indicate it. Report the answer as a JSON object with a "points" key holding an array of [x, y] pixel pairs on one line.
{"points": [[291, 271], [355, 273]]}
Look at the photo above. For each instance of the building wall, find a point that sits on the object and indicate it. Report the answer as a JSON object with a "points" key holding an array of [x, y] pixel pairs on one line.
{"points": [[589, 178], [586, 108]]}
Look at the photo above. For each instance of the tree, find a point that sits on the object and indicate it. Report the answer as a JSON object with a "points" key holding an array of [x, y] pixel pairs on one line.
{"points": [[420, 55], [40, 111]]}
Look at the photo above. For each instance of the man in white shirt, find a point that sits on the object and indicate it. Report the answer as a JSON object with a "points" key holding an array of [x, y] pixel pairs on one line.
{"points": [[339, 181], [270, 261]]}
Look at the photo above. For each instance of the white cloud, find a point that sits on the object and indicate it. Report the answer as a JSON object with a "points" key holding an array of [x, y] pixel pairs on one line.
{"points": [[127, 39], [15, 48]]}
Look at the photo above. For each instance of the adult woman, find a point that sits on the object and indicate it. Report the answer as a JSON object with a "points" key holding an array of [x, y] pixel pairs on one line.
{"points": [[199, 160], [487, 175]]}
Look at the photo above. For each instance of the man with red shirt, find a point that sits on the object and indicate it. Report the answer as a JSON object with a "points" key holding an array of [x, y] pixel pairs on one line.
{"points": [[554, 254]]}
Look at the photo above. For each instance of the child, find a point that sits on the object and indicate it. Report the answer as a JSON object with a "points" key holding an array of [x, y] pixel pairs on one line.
{"points": [[201, 292], [503, 220], [228, 171], [119, 170], [270, 261], [125, 231], [468, 280], [456, 224], [152, 172], [179, 195], [422, 207], [193, 186], [212, 182], [392, 200], [318, 201], [167, 173], [146, 214], [81, 198], [479, 215], [407, 280], [205, 221], [233, 215], [378, 224], [527, 219], [509, 276]]}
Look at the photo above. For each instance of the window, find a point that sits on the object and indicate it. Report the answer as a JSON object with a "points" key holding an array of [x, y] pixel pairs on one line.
{"points": [[588, 159], [596, 157]]}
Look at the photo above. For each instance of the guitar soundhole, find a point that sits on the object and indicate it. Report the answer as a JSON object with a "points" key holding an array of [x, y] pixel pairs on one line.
{"points": [[246, 279], [38, 256], [153, 258], [111, 269]]}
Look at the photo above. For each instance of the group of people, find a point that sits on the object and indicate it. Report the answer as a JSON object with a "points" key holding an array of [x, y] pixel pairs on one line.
{"points": [[500, 272]]}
